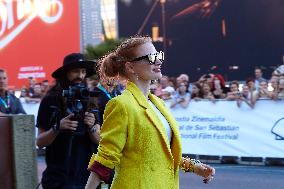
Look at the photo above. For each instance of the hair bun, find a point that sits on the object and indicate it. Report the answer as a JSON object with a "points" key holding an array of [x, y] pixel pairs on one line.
{"points": [[111, 65]]}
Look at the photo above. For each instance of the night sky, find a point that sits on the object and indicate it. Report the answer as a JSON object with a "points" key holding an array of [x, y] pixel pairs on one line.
{"points": [[255, 36]]}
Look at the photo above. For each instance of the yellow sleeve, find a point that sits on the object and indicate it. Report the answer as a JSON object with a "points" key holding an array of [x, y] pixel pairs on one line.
{"points": [[113, 135]]}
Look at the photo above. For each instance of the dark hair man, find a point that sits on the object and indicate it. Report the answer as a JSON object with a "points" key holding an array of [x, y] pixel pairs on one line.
{"points": [[67, 151], [258, 77], [44, 86], [9, 103]]}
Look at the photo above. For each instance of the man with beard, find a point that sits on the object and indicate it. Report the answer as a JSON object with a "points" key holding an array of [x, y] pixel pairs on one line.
{"points": [[67, 150]]}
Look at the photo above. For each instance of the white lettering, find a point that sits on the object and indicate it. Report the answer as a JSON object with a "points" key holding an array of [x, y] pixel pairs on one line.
{"points": [[49, 11], [46, 9], [10, 13], [31, 68], [24, 7], [3, 18], [31, 74]]}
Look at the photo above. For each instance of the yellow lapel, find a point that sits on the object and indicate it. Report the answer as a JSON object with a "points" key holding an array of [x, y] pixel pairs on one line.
{"points": [[138, 95], [158, 124], [175, 148], [141, 99], [166, 113]]}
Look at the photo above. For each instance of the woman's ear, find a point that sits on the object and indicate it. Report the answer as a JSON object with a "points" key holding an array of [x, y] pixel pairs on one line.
{"points": [[129, 68]]}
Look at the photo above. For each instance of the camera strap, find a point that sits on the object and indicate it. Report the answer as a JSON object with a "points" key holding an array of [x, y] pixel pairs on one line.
{"points": [[104, 91]]}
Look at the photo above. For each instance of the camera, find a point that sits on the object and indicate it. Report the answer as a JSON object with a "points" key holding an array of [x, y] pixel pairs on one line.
{"points": [[207, 76], [239, 94], [77, 91], [77, 99]]}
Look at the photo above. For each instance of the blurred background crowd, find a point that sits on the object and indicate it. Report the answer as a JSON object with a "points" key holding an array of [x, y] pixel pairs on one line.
{"points": [[181, 90]]}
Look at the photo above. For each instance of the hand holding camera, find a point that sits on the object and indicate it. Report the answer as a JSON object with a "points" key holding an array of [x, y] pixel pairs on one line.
{"points": [[237, 94], [89, 119], [77, 98], [68, 124], [180, 100], [217, 84], [263, 91]]}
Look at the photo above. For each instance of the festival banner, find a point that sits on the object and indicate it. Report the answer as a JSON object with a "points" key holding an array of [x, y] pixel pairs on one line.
{"points": [[35, 35], [224, 129]]}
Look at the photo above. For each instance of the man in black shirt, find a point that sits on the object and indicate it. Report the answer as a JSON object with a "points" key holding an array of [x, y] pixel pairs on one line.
{"points": [[9, 103], [67, 151]]}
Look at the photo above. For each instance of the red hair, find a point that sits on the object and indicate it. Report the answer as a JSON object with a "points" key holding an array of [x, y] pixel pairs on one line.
{"points": [[222, 80]]}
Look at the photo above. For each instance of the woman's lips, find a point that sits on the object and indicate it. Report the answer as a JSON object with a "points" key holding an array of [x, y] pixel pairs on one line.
{"points": [[157, 69]]}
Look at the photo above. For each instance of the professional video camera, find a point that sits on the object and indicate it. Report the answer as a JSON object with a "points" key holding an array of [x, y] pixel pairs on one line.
{"points": [[77, 98]]}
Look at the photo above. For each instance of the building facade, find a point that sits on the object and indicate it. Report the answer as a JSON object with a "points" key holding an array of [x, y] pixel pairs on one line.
{"points": [[98, 21], [91, 23]]}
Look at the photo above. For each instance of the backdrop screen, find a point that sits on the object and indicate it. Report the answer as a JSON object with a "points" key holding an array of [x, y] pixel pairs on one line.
{"points": [[35, 36], [204, 34]]}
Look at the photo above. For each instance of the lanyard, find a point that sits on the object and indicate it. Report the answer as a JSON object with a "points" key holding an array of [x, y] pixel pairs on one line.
{"points": [[104, 90], [6, 105]]}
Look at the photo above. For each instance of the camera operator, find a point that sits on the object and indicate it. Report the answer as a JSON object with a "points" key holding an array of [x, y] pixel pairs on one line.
{"points": [[69, 139]]}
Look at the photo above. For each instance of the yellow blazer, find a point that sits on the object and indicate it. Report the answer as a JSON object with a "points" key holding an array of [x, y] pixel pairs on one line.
{"points": [[134, 142]]}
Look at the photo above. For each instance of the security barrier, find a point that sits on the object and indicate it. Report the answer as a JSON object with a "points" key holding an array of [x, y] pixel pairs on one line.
{"points": [[224, 129]]}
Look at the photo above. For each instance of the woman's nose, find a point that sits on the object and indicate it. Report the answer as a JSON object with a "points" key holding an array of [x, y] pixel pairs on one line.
{"points": [[158, 62]]}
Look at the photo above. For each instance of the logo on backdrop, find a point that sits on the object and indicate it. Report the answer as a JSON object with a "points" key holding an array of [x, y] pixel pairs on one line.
{"points": [[278, 129], [15, 16]]}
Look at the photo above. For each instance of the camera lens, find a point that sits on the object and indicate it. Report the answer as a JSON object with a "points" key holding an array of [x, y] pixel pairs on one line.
{"points": [[84, 93]]}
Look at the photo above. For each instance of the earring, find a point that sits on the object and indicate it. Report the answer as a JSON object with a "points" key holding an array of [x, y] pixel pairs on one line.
{"points": [[154, 81], [137, 77]]}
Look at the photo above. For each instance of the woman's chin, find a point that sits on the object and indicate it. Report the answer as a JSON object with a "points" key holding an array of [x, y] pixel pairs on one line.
{"points": [[157, 76]]}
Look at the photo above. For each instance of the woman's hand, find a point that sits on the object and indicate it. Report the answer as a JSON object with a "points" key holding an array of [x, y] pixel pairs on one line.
{"points": [[206, 171], [93, 181]]}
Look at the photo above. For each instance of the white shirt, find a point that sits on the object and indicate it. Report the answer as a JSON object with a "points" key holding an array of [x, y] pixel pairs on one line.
{"points": [[163, 120]]}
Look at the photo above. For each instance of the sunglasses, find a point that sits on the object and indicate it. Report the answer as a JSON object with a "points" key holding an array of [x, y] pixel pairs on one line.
{"points": [[152, 58]]}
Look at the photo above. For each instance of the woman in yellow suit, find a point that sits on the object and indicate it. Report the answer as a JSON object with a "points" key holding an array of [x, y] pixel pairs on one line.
{"points": [[139, 136]]}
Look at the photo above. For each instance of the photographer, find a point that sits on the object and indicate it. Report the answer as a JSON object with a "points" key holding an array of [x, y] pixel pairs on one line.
{"points": [[69, 133], [182, 96], [234, 93]]}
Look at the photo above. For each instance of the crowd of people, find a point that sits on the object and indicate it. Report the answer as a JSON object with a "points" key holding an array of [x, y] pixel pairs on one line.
{"points": [[180, 91]]}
